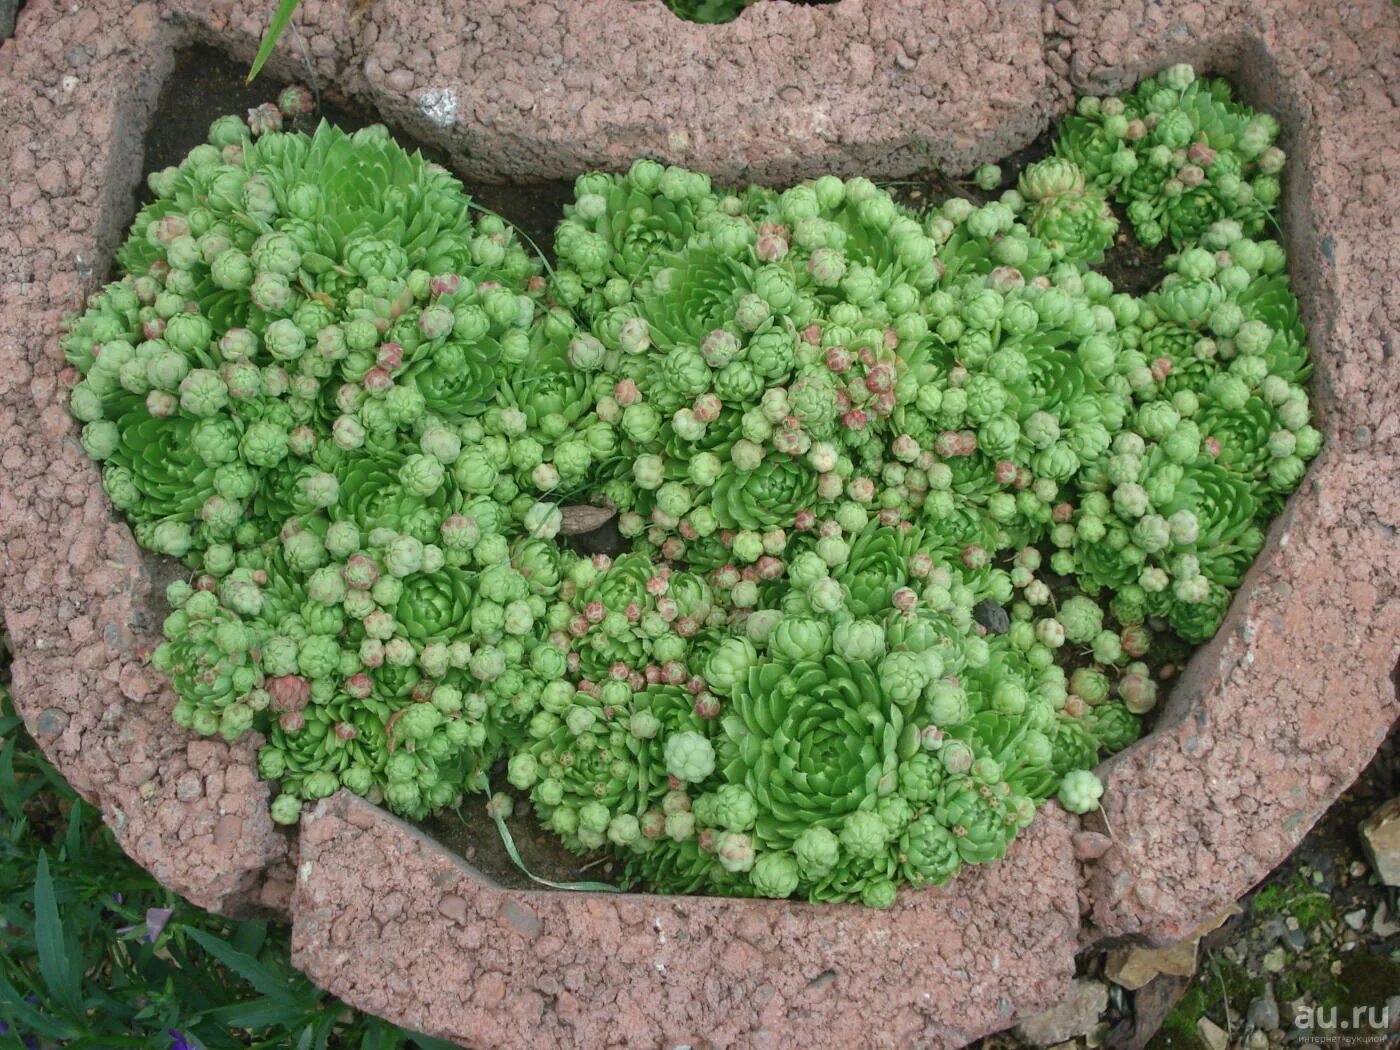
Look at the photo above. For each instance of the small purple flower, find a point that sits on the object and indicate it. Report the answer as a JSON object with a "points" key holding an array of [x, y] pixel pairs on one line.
{"points": [[179, 1042], [28, 1041], [156, 918]]}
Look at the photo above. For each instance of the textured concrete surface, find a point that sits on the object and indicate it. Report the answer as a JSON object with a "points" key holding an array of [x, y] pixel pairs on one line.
{"points": [[510, 969], [79, 82], [781, 89], [1271, 722]]}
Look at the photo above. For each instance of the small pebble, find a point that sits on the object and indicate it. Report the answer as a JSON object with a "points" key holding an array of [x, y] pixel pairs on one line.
{"points": [[1384, 925], [1356, 919], [1273, 960], [991, 616], [1263, 1011], [1212, 1034]]}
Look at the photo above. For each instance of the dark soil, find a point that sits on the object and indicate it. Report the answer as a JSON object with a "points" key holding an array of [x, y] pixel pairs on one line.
{"points": [[1131, 267], [9, 11], [471, 832]]}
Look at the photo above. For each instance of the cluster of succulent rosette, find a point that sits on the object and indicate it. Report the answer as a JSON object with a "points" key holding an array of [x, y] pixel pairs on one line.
{"points": [[908, 499]]}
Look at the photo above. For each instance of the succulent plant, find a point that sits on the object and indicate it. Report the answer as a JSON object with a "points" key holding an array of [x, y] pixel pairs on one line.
{"points": [[912, 499]]}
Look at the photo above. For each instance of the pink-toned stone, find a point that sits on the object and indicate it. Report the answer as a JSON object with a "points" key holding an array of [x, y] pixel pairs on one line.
{"points": [[945, 966], [781, 91]]}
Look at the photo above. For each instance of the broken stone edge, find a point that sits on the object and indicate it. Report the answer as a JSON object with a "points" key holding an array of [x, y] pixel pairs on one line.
{"points": [[1271, 721]]}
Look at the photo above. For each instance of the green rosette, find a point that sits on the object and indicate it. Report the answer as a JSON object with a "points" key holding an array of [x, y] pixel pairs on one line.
{"points": [[1178, 345], [1072, 745], [929, 852], [706, 554], [204, 676], [948, 536], [963, 255], [1113, 726], [1243, 435], [1083, 140], [1269, 298], [975, 818], [279, 497], [159, 456], [1103, 564], [674, 709], [1197, 622], [456, 380], [814, 741], [1054, 380], [692, 294], [1226, 563], [372, 497], [434, 606], [719, 438], [999, 737], [1187, 216], [541, 562], [1216, 114], [623, 583], [676, 867], [283, 594], [812, 395], [395, 683], [1077, 227], [766, 498], [974, 477], [927, 631], [599, 651], [853, 878], [878, 564], [895, 262], [372, 190], [333, 738], [643, 228], [551, 390], [592, 768], [1222, 502]]}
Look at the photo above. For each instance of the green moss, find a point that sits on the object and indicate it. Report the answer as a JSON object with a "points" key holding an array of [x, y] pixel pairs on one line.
{"points": [[1218, 982], [1298, 897], [1178, 1031]]}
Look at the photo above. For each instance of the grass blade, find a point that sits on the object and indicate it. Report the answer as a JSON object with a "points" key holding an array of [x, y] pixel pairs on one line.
{"points": [[18, 1011], [54, 962], [247, 967], [275, 29]]}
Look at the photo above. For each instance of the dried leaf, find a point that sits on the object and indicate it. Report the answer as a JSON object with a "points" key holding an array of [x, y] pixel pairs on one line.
{"points": [[582, 519]]}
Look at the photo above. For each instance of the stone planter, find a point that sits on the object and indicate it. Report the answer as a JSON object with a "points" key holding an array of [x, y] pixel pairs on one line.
{"points": [[1270, 722]]}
